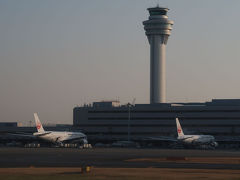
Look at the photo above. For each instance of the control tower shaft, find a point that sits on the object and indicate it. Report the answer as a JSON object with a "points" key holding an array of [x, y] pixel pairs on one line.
{"points": [[158, 29]]}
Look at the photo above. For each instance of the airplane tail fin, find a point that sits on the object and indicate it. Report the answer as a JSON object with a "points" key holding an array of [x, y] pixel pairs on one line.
{"points": [[179, 128], [38, 123]]}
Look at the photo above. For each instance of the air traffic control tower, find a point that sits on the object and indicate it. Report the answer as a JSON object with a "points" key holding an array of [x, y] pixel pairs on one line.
{"points": [[158, 29]]}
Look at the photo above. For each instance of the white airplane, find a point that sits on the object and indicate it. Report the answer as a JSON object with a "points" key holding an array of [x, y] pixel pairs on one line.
{"points": [[206, 141], [58, 137]]}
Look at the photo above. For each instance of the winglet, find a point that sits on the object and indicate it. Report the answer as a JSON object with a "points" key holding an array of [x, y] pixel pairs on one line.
{"points": [[179, 128], [38, 123]]}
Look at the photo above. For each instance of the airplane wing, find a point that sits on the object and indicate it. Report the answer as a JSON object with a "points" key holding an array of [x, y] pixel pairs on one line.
{"points": [[20, 134], [42, 134], [161, 138], [78, 139], [182, 139]]}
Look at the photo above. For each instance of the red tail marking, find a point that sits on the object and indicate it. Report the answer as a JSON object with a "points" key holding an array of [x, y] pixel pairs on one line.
{"points": [[38, 126], [179, 130]]}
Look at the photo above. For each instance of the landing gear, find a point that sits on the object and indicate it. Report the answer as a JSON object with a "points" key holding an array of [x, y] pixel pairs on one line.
{"points": [[75, 145], [209, 146], [85, 146]]}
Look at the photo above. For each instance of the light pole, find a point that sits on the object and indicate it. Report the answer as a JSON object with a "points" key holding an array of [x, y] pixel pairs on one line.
{"points": [[129, 105]]}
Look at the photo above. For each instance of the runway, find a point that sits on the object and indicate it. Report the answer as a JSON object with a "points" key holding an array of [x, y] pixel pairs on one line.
{"points": [[119, 157]]}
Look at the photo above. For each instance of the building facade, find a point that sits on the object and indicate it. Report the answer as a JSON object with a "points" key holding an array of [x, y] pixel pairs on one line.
{"points": [[219, 117]]}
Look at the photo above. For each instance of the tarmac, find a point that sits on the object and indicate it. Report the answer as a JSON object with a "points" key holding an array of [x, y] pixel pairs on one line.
{"points": [[119, 158]]}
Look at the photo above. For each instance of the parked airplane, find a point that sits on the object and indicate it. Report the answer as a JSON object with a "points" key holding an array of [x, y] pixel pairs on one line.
{"points": [[58, 137], [202, 141]]}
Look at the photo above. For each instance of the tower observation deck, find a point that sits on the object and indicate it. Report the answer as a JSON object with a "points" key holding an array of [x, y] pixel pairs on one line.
{"points": [[158, 28]]}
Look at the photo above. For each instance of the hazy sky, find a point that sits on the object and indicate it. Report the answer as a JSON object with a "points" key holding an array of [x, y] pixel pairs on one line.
{"points": [[56, 54]]}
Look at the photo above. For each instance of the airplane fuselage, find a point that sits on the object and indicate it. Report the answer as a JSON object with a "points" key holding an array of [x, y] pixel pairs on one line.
{"points": [[196, 139], [61, 137]]}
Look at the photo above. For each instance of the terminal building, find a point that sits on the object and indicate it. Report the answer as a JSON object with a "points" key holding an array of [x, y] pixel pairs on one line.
{"points": [[220, 117]]}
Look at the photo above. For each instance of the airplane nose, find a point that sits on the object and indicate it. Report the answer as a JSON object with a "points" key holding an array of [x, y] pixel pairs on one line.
{"points": [[214, 144]]}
